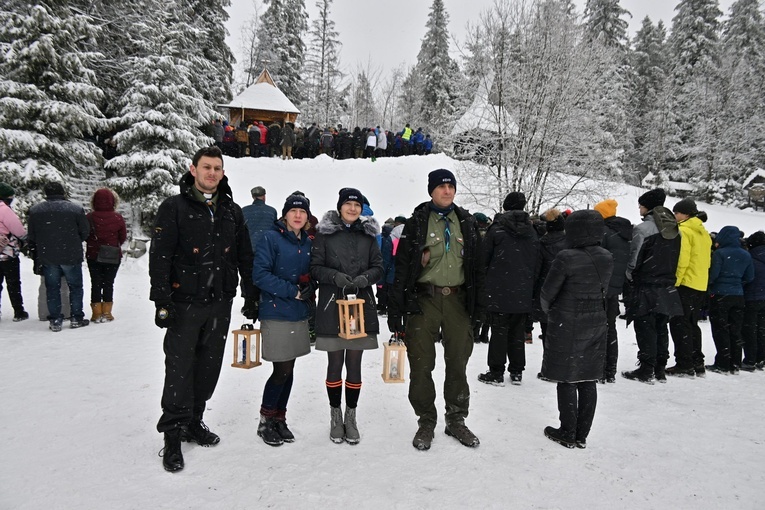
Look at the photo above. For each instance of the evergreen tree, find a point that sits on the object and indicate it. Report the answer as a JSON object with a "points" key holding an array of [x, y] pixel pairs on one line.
{"points": [[322, 70], [280, 45], [49, 109], [208, 23], [436, 70], [604, 23], [365, 112], [695, 36], [161, 110]]}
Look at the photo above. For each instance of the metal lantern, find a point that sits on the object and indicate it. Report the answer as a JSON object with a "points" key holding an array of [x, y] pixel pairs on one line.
{"points": [[351, 313], [394, 361], [245, 361]]}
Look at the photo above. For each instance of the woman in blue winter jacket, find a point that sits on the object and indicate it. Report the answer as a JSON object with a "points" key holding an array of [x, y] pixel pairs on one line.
{"points": [[280, 271], [731, 269]]}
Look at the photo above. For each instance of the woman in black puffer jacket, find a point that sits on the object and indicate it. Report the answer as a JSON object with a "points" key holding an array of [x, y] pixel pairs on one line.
{"points": [[345, 259], [574, 298]]}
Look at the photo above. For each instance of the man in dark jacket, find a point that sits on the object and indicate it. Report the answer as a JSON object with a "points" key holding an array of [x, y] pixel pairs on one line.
{"points": [[258, 216], [57, 229], [616, 240], [439, 286], [653, 299], [199, 242], [512, 263]]}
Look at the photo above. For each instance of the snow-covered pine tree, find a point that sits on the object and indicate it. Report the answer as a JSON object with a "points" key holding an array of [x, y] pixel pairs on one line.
{"points": [[49, 107], [280, 45], [437, 73], [694, 47], [604, 23], [208, 18], [322, 71], [161, 111], [655, 133], [365, 112], [742, 95]]}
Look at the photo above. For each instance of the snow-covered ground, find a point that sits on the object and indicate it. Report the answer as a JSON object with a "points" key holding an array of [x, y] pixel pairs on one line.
{"points": [[79, 408]]}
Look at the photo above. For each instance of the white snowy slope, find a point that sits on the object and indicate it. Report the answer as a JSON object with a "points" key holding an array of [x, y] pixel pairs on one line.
{"points": [[79, 408]]}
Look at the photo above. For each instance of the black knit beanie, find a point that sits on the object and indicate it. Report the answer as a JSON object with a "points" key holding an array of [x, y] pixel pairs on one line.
{"points": [[439, 177], [686, 206], [653, 198], [296, 202], [514, 201], [53, 189], [349, 195]]}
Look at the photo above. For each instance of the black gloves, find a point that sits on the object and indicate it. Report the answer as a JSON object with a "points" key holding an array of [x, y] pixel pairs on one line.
{"points": [[361, 282], [164, 317], [251, 308], [307, 290], [396, 324], [342, 280]]}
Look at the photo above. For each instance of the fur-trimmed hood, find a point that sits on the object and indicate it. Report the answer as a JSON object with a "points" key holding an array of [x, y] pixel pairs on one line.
{"points": [[331, 223]]}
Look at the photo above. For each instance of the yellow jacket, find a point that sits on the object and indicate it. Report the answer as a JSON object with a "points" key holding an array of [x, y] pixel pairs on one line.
{"points": [[695, 255]]}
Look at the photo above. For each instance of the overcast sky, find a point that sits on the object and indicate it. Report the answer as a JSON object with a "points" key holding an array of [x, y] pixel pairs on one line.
{"points": [[384, 34]]}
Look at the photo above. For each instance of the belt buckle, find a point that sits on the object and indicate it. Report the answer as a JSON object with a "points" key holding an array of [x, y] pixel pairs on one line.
{"points": [[445, 291]]}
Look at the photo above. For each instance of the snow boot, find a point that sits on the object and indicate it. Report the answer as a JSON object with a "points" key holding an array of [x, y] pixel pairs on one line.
{"points": [[352, 435], [172, 457], [516, 378], [461, 433], [197, 432], [107, 317], [78, 323], [423, 438], [644, 374], [20, 316], [98, 312], [679, 371], [560, 437], [493, 378], [336, 426], [267, 431], [281, 427], [659, 373]]}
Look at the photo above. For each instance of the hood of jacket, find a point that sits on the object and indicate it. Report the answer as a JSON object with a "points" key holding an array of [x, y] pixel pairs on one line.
{"points": [[758, 253], [515, 223], [584, 228], [621, 226], [729, 236], [104, 200], [332, 223], [696, 225], [665, 221], [187, 182]]}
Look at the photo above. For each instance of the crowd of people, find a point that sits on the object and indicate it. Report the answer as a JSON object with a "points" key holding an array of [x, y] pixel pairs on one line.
{"points": [[258, 139], [441, 275]]}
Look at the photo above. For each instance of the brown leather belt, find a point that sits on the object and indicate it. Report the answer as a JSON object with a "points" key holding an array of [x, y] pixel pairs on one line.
{"points": [[432, 290]]}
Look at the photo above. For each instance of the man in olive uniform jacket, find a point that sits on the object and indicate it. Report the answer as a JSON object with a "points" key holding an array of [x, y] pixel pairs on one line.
{"points": [[437, 287]]}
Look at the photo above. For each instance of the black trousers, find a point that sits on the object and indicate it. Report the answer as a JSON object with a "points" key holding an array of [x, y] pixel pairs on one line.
{"points": [[685, 330], [726, 313], [194, 350], [102, 281], [612, 339], [11, 274], [576, 407], [753, 332], [652, 339], [507, 342]]}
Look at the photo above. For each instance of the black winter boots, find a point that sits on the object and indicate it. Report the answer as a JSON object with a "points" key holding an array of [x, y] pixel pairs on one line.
{"points": [[644, 374], [172, 457], [197, 432]]}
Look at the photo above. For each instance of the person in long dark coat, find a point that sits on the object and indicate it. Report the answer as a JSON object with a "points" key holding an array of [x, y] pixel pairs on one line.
{"points": [[549, 246], [345, 259], [512, 261], [574, 298]]}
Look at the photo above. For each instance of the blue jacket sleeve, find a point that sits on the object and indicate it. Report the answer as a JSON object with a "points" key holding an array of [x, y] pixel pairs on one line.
{"points": [[263, 271]]}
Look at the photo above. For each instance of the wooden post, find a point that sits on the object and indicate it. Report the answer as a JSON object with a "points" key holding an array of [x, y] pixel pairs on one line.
{"points": [[246, 361], [351, 312]]}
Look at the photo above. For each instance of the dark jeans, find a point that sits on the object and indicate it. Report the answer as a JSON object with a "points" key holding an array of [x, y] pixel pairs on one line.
{"points": [[102, 281], [9, 271], [726, 313], [449, 315], [576, 407], [753, 332], [194, 349], [685, 330], [507, 343], [652, 339], [612, 339], [73, 276], [254, 150]]}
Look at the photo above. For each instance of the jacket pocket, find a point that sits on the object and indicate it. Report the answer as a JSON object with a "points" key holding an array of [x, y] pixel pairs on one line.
{"points": [[185, 279]]}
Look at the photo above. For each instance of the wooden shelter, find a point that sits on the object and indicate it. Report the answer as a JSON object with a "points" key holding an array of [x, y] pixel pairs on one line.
{"points": [[261, 101]]}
